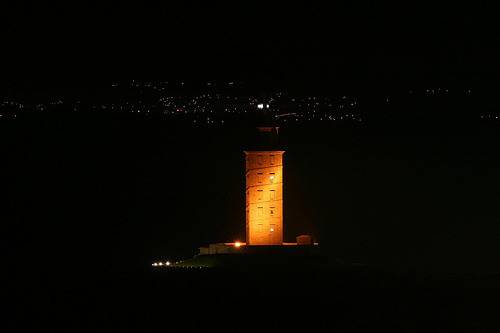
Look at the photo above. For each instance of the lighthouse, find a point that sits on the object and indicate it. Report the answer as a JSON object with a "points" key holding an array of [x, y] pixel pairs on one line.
{"points": [[264, 185], [264, 200]]}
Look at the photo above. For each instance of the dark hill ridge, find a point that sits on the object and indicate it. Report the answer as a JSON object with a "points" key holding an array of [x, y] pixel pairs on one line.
{"points": [[243, 261]]}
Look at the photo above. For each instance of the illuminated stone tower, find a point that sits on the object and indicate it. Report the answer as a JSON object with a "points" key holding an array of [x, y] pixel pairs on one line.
{"points": [[264, 187]]}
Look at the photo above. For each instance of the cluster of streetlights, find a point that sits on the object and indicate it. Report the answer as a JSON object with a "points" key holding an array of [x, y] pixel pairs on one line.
{"points": [[166, 263]]}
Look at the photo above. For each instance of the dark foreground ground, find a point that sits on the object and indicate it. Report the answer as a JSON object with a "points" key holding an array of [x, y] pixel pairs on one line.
{"points": [[342, 299]]}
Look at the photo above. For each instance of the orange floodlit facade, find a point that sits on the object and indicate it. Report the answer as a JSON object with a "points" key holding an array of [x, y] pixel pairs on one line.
{"points": [[264, 197]]}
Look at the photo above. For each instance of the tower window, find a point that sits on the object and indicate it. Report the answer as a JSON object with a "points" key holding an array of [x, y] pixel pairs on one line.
{"points": [[259, 159], [271, 177], [259, 211], [272, 210], [260, 194], [272, 194], [259, 178], [272, 159]]}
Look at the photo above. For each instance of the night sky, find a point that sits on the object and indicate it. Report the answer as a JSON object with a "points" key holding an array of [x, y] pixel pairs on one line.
{"points": [[359, 46], [108, 192]]}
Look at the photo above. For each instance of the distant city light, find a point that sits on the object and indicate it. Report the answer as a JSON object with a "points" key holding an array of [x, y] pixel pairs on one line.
{"points": [[197, 106]]}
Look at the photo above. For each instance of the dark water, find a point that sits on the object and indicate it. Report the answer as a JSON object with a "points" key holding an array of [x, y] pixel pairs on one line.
{"points": [[110, 190], [341, 300]]}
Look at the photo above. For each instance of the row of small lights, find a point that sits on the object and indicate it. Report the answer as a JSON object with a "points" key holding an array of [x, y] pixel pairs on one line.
{"points": [[251, 100], [156, 264], [167, 263]]}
